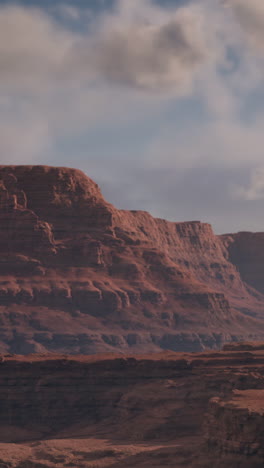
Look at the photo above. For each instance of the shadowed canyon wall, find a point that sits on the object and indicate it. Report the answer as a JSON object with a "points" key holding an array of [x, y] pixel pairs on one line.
{"points": [[166, 409]]}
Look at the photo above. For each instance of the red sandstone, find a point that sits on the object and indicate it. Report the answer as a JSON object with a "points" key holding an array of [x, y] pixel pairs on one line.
{"points": [[166, 409], [79, 276]]}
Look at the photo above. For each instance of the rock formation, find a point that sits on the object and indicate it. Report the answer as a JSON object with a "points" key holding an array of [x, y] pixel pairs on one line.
{"points": [[235, 428], [170, 409], [79, 276]]}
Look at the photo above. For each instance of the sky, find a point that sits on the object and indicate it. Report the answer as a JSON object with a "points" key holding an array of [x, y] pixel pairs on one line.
{"points": [[161, 102]]}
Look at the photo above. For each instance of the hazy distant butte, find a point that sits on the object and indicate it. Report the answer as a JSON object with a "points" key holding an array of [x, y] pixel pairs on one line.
{"points": [[79, 276]]}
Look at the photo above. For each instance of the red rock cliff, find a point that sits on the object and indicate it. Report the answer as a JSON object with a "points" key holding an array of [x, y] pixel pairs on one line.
{"points": [[235, 429], [246, 252], [79, 276]]}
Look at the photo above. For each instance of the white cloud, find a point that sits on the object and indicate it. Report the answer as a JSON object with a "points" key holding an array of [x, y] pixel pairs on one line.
{"points": [[250, 15], [220, 143], [23, 142], [50, 75], [145, 53], [32, 50], [255, 189], [137, 52], [68, 12], [126, 70]]}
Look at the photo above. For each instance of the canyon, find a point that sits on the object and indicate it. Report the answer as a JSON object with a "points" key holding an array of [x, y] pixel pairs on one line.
{"points": [[155, 410], [121, 334], [79, 276]]}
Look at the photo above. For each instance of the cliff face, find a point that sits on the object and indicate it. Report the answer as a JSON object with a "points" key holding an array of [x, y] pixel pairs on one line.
{"points": [[168, 409], [79, 276], [235, 428], [245, 251]]}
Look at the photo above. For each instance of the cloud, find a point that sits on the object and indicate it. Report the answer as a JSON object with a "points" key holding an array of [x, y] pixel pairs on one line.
{"points": [[23, 142], [154, 103], [220, 143], [255, 189], [56, 82], [139, 46], [197, 193], [32, 49], [136, 51], [146, 54], [250, 15], [68, 12]]}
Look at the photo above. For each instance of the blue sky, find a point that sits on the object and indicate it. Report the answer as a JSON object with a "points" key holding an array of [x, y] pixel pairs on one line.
{"points": [[161, 103]]}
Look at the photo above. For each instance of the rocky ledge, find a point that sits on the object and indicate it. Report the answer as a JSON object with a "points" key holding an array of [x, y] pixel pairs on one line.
{"points": [[171, 409], [235, 428]]}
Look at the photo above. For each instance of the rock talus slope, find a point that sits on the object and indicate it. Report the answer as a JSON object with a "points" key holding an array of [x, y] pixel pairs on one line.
{"points": [[79, 276]]}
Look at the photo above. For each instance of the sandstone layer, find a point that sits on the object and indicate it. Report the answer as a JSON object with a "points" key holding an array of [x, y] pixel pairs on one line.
{"points": [[79, 276], [235, 428], [171, 409]]}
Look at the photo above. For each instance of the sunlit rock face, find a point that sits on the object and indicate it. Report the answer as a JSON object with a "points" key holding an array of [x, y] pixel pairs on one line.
{"points": [[79, 276]]}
